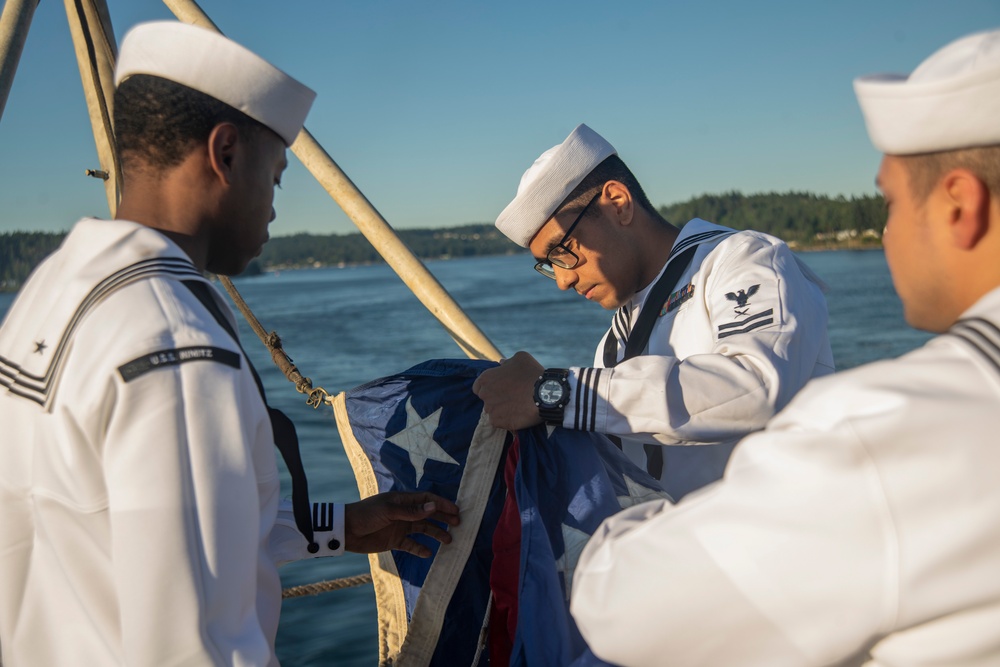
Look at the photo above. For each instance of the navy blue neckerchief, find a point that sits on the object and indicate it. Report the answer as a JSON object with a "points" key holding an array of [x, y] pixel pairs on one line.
{"points": [[285, 437], [639, 336]]}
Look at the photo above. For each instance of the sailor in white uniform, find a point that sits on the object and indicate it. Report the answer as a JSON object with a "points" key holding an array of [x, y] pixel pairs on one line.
{"points": [[139, 492], [715, 330], [861, 526]]}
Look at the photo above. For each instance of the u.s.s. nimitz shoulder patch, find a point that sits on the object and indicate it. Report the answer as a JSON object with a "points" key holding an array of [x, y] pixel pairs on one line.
{"points": [[174, 357]]}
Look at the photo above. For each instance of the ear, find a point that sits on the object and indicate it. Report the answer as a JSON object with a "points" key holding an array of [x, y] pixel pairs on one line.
{"points": [[222, 145], [966, 201], [620, 197]]}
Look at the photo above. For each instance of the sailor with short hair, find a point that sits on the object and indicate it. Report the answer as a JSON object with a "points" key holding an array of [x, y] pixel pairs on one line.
{"points": [[139, 490], [861, 526]]}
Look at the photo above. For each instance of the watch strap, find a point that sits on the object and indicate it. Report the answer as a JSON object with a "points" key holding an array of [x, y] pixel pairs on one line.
{"points": [[553, 414]]}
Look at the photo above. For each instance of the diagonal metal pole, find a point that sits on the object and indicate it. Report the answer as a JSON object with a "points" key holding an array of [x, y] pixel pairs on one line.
{"points": [[14, 24], [96, 52], [370, 222]]}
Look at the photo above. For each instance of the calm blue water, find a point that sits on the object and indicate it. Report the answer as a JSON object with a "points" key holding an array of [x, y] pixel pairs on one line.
{"points": [[344, 327]]}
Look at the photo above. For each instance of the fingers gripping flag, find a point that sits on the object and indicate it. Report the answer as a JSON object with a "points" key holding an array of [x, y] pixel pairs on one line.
{"points": [[425, 430]]}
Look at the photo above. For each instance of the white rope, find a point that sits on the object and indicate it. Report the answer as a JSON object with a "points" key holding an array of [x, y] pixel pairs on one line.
{"points": [[323, 587], [483, 633]]}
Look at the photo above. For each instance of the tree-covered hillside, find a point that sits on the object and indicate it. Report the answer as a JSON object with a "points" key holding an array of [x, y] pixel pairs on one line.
{"points": [[800, 218], [20, 253], [339, 249], [804, 220]]}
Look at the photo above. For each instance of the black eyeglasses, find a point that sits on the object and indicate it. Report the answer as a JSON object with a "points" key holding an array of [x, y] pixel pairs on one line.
{"points": [[560, 255]]}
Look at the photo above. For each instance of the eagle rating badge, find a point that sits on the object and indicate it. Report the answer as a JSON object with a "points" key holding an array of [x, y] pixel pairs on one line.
{"points": [[742, 299]]}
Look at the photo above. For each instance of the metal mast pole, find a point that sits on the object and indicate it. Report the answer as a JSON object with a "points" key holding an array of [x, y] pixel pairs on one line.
{"points": [[14, 24], [96, 52]]}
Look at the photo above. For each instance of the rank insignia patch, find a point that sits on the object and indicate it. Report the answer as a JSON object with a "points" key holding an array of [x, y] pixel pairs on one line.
{"points": [[757, 321], [742, 299], [677, 298]]}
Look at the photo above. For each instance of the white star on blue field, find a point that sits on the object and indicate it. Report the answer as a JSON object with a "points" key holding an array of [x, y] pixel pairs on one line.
{"points": [[417, 438], [574, 540], [637, 493]]}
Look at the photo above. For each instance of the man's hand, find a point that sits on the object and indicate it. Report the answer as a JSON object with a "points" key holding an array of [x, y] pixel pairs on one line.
{"points": [[507, 392], [385, 521]]}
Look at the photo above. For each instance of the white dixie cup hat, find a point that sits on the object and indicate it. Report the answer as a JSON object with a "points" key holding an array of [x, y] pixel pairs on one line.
{"points": [[549, 180], [950, 101], [212, 64]]}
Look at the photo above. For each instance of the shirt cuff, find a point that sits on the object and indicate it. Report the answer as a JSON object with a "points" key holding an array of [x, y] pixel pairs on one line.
{"points": [[328, 529], [287, 544], [587, 409]]}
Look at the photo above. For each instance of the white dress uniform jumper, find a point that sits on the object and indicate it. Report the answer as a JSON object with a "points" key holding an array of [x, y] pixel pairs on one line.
{"points": [[743, 329], [136, 445]]}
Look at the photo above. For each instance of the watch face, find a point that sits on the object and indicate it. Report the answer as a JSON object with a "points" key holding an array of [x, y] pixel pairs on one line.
{"points": [[550, 392]]}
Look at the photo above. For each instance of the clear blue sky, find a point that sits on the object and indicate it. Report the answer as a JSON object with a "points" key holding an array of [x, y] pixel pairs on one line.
{"points": [[435, 109]]}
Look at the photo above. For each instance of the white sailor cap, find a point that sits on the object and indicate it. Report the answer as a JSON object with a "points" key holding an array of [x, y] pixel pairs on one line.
{"points": [[206, 61], [950, 101], [551, 179]]}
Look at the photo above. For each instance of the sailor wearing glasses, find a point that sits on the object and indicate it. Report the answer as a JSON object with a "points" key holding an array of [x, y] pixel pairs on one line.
{"points": [[714, 330]]}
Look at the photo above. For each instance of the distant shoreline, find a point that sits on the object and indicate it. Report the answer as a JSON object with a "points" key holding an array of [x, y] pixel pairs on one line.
{"points": [[846, 246], [257, 269], [807, 222]]}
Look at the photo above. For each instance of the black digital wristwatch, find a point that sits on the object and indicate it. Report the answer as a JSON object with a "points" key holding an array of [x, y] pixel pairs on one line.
{"points": [[552, 394]]}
